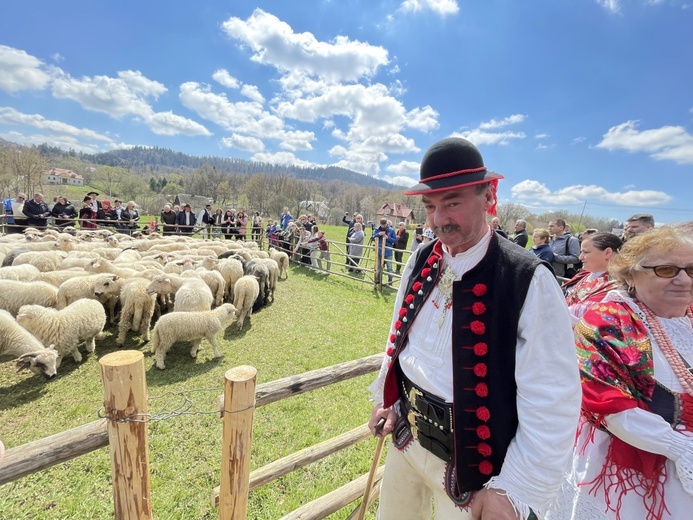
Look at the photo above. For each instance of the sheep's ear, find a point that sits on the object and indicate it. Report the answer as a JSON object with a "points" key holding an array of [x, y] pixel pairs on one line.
{"points": [[96, 263], [52, 347], [116, 277], [25, 361]]}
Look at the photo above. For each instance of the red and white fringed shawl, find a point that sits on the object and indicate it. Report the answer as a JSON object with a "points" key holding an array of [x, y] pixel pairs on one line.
{"points": [[617, 373]]}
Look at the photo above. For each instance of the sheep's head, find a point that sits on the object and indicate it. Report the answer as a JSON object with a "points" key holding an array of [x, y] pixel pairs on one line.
{"points": [[109, 285], [159, 284], [43, 362], [93, 265], [27, 313]]}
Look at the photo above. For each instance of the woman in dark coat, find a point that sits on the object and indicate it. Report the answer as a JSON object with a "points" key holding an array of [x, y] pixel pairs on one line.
{"points": [[106, 216], [229, 224], [87, 215], [130, 216], [168, 219], [64, 212]]}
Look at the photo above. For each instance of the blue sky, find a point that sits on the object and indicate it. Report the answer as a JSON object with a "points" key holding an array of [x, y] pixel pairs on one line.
{"points": [[575, 101]]}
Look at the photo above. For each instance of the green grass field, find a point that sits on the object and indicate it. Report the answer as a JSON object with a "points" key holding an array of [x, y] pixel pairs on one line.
{"points": [[316, 321]]}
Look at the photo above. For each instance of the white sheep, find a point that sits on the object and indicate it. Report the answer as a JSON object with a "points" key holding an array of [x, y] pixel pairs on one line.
{"points": [[231, 269], [24, 272], [80, 321], [273, 268], [84, 286], [44, 261], [17, 343], [190, 326], [106, 266], [213, 279], [245, 292], [58, 277], [14, 294], [282, 260], [190, 294], [137, 309]]}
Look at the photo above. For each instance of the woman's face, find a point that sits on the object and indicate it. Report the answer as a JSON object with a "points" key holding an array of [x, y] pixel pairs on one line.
{"points": [[594, 260], [667, 297], [538, 240], [61, 200]]}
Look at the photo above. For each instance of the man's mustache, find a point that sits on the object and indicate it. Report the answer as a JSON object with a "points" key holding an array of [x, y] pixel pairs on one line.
{"points": [[449, 228]]}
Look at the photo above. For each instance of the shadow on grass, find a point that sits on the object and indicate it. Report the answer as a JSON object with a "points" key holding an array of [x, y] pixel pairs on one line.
{"points": [[180, 366]]}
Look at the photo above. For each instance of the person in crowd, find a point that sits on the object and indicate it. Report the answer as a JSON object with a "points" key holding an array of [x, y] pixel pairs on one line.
{"points": [[324, 248], [565, 247], [176, 209], [633, 456], [587, 232], [168, 220], [312, 247], [301, 251], [228, 224], [185, 220], [355, 248], [106, 216], [271, 233], [512, 389], [427, 236], [64, 212], [400, 245], [242, 224], [384, 237], [87, 215], [118, 208], [204, 221], [285, 218], [638, 223], [256, 227], [520, 236], [495, 224], [217, 222], [541, 247], [95, 204], [350, 223], [130, 216], [288, 238], [418, 239], [14, 210], [36, 212], [310, 222], [592, 283]]}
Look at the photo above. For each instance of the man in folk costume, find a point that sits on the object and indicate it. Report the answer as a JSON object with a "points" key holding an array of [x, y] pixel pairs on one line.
{"points": [[479, 385], [204, 220]]}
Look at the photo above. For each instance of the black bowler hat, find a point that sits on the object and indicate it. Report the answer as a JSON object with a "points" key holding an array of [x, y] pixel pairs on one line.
{"points": [[87, 199], [92, 193], [449, 164]]}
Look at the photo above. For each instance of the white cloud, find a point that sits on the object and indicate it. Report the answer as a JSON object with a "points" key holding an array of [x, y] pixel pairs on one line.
{"points": [[424, 119], [57, 57], [400, 180], [20, 71], [528, 190], [10, 116], [65, 142], [612, 6], [404, 167], [225, 79], [281, 158], [122, 96], [252, 93], [510, 120], [243, 142], [671, 143], [577, 140], [541, 136], [479, 137], [441, 7], [244, 117], [274, 43]]}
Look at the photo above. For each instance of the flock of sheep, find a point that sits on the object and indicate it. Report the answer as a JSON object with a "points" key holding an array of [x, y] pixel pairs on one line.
{"points": [[58, 290]]}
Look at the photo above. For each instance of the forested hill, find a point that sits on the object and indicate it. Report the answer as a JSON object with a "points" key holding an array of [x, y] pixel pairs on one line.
{"points": [[154, 160]]}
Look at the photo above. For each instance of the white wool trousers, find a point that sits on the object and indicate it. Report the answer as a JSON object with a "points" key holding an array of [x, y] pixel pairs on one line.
{"points": [[412, 487]]}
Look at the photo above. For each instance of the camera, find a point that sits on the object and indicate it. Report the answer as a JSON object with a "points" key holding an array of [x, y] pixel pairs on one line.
{"points": [[371, 224]]}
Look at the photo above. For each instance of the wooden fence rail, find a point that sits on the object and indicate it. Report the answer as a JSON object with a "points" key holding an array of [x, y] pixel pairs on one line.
{"points": [[43, 453]]}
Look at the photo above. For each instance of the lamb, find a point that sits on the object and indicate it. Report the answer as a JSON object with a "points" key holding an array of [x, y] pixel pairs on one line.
{"points": [[44, 261], [83, 287], [259, 270], [14, 294], [245, 292], [17, 342], [24, 272], [282, 260], [191, 294], [105, 266], [190, 326], [231, 269], [137, 309], [213, 279], [80, 321]]}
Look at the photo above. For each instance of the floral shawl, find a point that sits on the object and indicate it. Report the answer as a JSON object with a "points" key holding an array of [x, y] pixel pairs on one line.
{"points": [[617, 374]]}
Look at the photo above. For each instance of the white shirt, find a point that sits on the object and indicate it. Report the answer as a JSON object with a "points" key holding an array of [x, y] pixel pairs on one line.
{"points": [[546, 374]]}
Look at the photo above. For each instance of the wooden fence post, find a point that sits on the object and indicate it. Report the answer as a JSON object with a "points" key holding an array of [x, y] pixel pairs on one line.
{"points": [[125, 403], [239, 407]]}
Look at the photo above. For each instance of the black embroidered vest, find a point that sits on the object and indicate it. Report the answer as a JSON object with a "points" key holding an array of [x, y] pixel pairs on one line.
{"points": [[486, 311]]}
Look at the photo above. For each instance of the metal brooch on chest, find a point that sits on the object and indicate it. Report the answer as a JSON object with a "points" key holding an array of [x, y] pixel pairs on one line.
{"points": [[445, 288]]}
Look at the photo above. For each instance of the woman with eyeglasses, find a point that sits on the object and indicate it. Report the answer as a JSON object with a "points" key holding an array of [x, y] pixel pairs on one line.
{"points": [[593, 282], [634, 451]]}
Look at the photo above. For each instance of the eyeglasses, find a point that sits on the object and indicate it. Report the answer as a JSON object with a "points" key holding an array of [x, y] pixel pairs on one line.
{"points": [[669, 271]]}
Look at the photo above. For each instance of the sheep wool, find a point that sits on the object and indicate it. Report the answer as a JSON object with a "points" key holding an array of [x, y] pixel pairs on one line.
{"points": [[17, 342], [15, 293], [245, 292], [190, 326], [80, 321]]}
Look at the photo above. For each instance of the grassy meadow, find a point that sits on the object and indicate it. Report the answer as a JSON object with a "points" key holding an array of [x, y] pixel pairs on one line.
{"points": [[316, 321]]}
